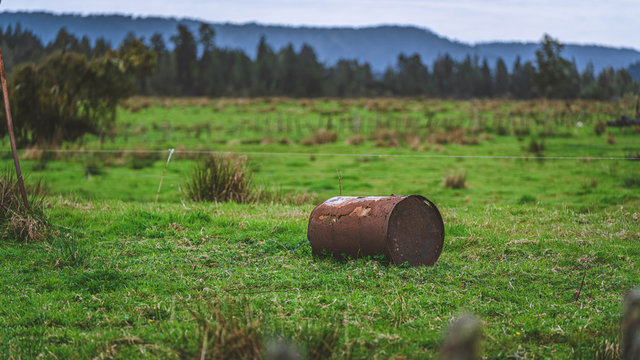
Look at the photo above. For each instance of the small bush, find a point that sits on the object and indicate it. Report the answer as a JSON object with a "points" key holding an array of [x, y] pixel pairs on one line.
{"points": [[43, 161], [611, 140], [66, 251], [502, 130], [142, 159], [93, 166], [527, 199], [16, 220], [632, 181], [355, 140], [454, 135], [521, 131], [386, 137], [281, 141], [220, 178], [414, 142], [320, 137], [40, 156], [600, 128], [536, 148], [455, 180]]}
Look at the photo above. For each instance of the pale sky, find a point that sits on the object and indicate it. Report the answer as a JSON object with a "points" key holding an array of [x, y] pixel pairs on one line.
{"points": [[605, 22]]}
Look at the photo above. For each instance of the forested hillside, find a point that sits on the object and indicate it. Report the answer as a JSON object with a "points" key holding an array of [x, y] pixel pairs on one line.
{"points": [[379, 45]]}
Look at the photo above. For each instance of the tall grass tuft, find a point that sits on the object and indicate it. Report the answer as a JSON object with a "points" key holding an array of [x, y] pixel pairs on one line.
{"points": [[455, 180], [226, 330], [631, 181], [536, 148], [221, 179], [600, 128], [16, 221]]}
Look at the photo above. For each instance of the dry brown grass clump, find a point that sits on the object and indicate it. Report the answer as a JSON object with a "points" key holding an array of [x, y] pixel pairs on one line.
{"points": [[414, 142], [355, 140], [453, 136], [386, 137], [32, 153], [320, 137], [455, 180], [18, 222], [270, 140]]}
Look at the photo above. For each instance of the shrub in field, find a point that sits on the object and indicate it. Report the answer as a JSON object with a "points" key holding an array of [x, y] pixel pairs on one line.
{"points": [[40, 156], [93, 166], [16, 220], [270, 140], [521, 130], [141, 159], [386, 137], [43, 161], [600, 127], [502, 129], [455, 180], [611, 140], [414, 142], [355, 140], [320, 137], [68, 95], [454, 135], [527, 199], [67, 251], [220, 178], [632, 181], [536, 148]]}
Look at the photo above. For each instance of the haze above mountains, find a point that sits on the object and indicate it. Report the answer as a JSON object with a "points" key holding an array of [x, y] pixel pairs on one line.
{"points": [[378, 45]]}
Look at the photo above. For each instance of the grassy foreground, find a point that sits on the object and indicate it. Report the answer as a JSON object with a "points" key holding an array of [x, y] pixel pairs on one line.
{"points": [[123, 279], [122, 283]]}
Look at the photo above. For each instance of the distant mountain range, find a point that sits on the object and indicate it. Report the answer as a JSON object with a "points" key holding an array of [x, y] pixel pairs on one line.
{"points": [[378, 45]]}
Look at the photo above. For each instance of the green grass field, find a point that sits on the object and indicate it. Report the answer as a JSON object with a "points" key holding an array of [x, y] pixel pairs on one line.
{"points": [[121, 278]]}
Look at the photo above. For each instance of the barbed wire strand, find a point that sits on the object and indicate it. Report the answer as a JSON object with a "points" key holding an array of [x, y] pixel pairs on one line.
{"points": [[257, 153]]}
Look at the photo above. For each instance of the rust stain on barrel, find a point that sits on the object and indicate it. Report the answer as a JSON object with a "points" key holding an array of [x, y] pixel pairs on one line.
{"points": [[402, 228]]}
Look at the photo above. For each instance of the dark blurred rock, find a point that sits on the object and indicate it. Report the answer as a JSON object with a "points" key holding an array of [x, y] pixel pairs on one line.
{"points": [[630, 326], [463, 339], [278, 350]]}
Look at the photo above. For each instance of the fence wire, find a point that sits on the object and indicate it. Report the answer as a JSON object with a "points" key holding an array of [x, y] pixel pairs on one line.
{"points": [[356, 155]]}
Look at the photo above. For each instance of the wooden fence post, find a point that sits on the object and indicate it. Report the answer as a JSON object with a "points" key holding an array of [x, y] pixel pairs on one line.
{"points": [[11, 136]]}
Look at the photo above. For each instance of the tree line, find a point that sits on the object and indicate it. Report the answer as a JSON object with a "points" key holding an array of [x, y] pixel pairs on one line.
{"points": [[195, 66]]}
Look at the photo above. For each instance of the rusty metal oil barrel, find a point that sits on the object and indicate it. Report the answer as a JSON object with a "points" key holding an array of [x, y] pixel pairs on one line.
{"points": [[402, 228]]}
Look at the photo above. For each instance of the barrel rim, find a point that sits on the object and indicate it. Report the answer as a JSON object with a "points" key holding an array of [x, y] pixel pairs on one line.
{"points": [[392, 254]]}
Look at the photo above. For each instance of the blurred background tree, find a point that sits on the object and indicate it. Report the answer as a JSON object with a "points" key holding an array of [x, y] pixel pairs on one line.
{"points": [[68, 95]]}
